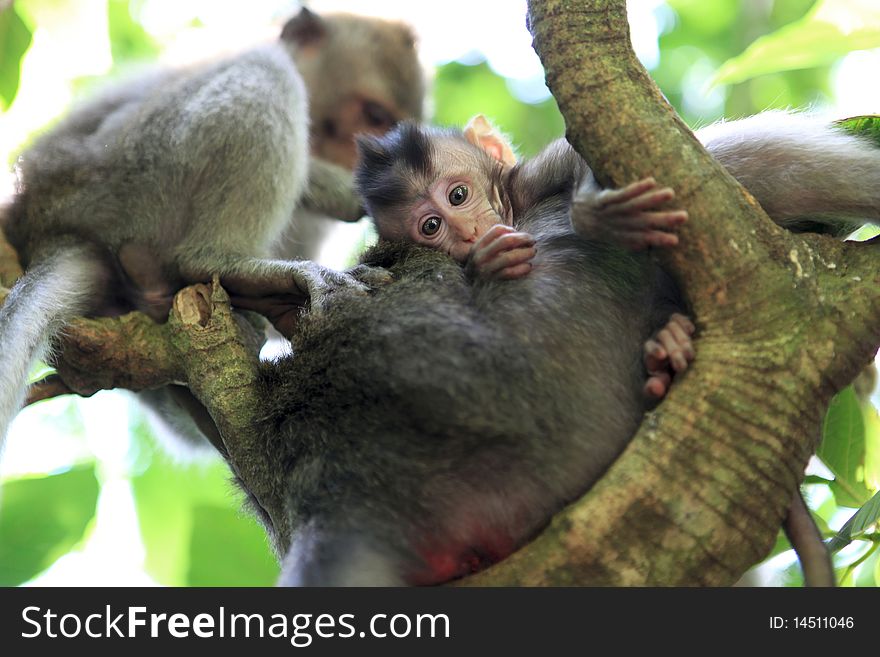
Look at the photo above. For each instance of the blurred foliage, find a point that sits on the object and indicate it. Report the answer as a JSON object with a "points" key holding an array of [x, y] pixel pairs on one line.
{"points": [[832, 28], [191, 526], [461, 91], [128, 40], [721, 58], [43, 518], [15, 39], [701, 36]]}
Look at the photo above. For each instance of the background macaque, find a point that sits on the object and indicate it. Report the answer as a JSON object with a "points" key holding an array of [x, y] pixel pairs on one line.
{"points": [[179, 175]]}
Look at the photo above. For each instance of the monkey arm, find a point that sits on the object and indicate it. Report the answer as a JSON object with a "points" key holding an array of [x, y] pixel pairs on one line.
{"points": [[281, 289], [556, 170], [330, 191], [633, 217]]}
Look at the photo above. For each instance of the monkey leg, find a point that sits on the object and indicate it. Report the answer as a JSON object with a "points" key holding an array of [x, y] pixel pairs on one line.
{"points": [[668, 353], [629, 217]]}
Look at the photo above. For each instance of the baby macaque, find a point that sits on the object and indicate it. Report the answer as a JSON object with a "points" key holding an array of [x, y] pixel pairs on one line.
{"points": [[462, 197], [469, 213], [432, 427]]}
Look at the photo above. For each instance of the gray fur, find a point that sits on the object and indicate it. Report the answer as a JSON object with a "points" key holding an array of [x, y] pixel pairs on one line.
{"points": [[420, 449], [180, 175], [801, 169], [60, 287], [807, 174]]}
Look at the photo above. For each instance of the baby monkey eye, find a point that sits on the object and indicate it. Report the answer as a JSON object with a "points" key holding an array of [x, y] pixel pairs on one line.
{"points": [[458, 195], [431, 226]]}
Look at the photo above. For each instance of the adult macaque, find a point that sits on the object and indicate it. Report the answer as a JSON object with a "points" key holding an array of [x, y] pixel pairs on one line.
{"points": [[180, 175]]}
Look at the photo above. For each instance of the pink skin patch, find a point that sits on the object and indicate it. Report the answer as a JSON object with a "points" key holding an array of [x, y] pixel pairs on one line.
{"points": [[453, 216], [668, 353], [502, 253], [449, 562]]}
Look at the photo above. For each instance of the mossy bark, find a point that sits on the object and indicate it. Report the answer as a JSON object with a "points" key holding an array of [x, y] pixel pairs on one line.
{"points": [[784, 322]]}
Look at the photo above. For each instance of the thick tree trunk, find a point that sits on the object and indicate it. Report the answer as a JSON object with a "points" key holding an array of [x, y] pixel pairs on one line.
{"points": [[784, 322]]}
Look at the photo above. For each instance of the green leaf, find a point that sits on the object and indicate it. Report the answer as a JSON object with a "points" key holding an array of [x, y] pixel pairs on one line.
{"points": [[41, 519], [165, 496], [830, 30], [872, 445], [860, 522], [15, 39], [843, 448], [867, 126], [128, 40], [228, 549]]}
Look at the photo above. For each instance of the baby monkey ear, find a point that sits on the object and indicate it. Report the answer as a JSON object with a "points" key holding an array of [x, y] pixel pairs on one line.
{"points": [[483, 134]]}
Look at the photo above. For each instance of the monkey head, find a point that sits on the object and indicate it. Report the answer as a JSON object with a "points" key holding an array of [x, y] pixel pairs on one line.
{"points": [[362, 76], [440, 188]]}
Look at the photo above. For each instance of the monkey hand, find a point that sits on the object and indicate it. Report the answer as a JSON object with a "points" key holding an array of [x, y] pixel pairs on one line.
{"points": [[629, 217], [669, 352], [501, 253], [370, 276], [322, 285]]}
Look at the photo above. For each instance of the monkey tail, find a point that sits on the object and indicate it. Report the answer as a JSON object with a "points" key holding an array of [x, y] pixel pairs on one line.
{"points": [[806, 540], [805, 171], [59, 285]]}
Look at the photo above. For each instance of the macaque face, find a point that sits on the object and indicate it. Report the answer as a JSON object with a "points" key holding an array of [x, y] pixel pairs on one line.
{"points": [[333, 132], [434, 187], [456, 211]]}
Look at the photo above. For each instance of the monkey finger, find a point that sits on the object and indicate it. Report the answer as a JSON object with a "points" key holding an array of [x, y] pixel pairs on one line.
{"points": [[657, 385], [678, 359], [649, 200], [493, 265], [371, 276], [641, 240], [496, 231], [633, 190], [502, 244], [665, 220], [516, 271], [654, 356], [684, 322], [683, 340]]}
